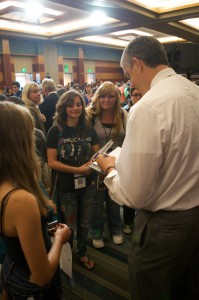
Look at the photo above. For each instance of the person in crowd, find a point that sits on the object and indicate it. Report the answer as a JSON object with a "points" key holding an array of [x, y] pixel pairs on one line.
{"points": [[76, 87], [61, 91], [6, 90], [109, 121], [157, 173], [16, 89], [16, 100], [123, 100], [2, 97], [48, 106], [135, 96], [24, 209], [32, 98], [87, 93], [127, 91], [67, 87], [70, 145], [60, 86]]}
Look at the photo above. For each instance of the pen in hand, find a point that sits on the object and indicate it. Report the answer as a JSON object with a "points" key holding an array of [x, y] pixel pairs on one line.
{"points": [[97, 154]]}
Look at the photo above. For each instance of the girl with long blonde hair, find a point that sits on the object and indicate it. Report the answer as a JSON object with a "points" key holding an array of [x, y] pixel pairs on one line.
{"points": [[109, 120]]}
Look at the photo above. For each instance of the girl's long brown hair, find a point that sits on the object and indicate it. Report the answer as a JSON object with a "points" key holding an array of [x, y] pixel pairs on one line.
{"points": [[18, 160], [61, 115]]}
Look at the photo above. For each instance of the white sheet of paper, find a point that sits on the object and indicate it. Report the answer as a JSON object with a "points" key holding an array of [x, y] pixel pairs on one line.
{"points": [[66, 259]]}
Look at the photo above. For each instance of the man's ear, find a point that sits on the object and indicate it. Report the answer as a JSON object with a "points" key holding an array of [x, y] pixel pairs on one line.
{"points": [[138, 64]]}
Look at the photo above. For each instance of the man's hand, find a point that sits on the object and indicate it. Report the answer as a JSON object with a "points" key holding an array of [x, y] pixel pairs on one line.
{"points": [[105, 161]]}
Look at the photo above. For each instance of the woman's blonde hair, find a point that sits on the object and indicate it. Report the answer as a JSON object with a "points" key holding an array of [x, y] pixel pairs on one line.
{"points": [[18, 160], [95, 110], [28, 88]]}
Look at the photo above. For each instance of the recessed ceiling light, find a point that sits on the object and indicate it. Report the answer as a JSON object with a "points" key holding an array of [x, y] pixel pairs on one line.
{"points": [[33, 9], [134, 31], [98, 17], [165, 5], [192, 23]]}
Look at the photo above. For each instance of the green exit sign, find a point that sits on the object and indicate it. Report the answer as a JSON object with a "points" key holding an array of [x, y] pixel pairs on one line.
{"points": [[89, 70], [65, 68], [23, 70]]}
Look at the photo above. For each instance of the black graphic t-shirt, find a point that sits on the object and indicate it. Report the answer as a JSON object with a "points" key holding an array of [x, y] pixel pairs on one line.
{"points": [[73, 151]]}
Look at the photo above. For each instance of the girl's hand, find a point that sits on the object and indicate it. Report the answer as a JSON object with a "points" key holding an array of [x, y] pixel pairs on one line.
{"points": [[84, 169], [63, 232]]}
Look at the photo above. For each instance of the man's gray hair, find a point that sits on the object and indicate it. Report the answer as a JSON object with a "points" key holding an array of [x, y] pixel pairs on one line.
{"points": [[49, 85], [147, 49]]}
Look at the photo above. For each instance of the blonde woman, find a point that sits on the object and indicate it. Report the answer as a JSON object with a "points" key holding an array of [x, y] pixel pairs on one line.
{"points": [[30, 269], [32, 97], [109, 121]]}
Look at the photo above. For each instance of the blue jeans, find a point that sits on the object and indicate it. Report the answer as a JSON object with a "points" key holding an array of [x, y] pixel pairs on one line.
{"points": [[16, 283], [75, 208], [112, 213]]}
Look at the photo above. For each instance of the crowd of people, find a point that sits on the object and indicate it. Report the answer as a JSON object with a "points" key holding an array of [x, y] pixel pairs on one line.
{"points": [[54, 131], [70, 126]]}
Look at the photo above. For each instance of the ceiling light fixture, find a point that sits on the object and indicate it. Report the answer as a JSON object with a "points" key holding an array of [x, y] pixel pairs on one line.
{"points": [[194, 23], [170, 39], [33, 9], [98, 18], [134, 31], [161, 6]]}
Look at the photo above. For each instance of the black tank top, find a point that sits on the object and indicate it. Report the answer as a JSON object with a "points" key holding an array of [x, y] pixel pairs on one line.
{"points": [[13, 245]]}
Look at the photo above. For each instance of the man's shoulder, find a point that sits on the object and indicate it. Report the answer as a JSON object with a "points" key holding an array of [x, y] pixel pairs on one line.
{"points": [[52, 97]]}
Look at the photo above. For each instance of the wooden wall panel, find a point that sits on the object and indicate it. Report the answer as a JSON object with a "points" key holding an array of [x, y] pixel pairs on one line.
{"points": [[22, 62], [60, 62], [108, 71], [38, 66]]}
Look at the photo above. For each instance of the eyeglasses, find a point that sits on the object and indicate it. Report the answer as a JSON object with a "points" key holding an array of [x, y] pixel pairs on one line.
{"points": [[136, 95], [107, 96]]}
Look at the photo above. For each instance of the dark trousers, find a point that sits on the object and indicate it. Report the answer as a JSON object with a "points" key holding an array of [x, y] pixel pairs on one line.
{"points": [[128, 215], [164, 257]]}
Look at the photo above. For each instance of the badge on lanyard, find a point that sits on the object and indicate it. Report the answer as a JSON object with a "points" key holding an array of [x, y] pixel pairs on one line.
{"points": [[80, 181]]}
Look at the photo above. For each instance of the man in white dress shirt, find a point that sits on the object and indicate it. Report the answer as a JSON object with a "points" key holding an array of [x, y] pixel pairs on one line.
{"points": [[157, 173]]}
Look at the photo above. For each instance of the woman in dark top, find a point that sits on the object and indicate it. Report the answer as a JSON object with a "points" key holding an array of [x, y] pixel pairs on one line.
{"points": [[31, 266], [70, 145], [87, 94]]}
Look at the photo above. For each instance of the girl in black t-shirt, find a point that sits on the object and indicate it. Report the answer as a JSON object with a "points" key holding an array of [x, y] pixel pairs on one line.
{"points": [[71, 143]]}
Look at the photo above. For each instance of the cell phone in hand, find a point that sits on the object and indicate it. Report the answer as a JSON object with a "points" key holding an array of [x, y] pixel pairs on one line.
{"points": [[52, 225]]}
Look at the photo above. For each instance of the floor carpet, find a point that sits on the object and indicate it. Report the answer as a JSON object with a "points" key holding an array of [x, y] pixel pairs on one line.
{"points": [[108, 280]]}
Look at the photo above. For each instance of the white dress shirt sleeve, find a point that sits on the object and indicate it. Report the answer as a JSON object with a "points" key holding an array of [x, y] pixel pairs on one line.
{"points": [[140, 159]]}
